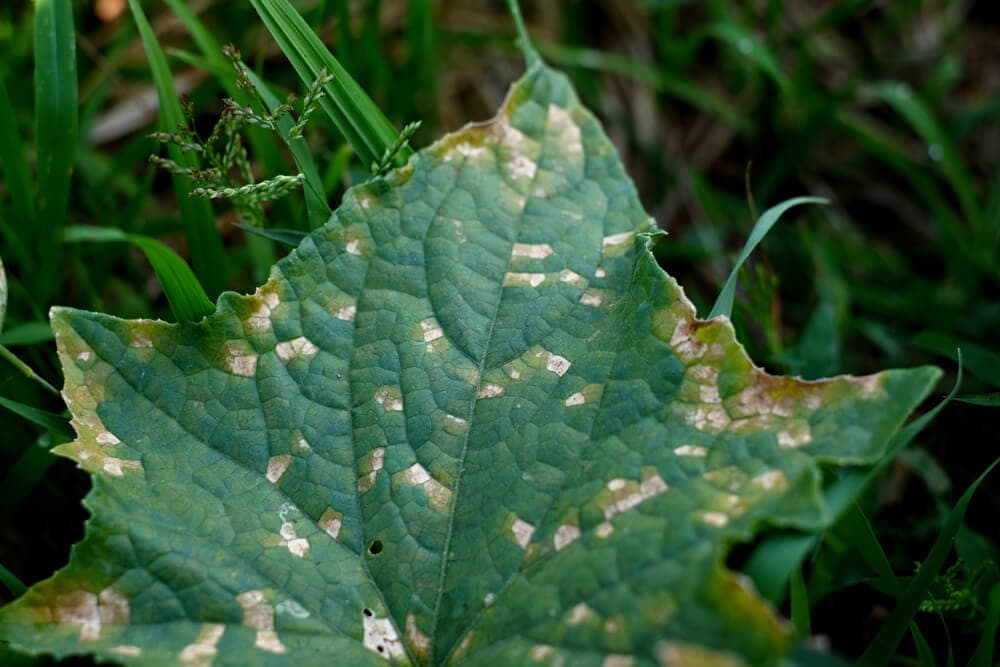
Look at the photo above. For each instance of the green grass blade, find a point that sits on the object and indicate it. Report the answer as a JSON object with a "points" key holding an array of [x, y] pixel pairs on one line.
{"points": [[987, 400], [863, 539], [47, 420], [940, 149], [12, 583], [724, 304], [184, 293], [531, 56], [800, 604], [203, 238], [55, 132], [353, 112], [15, 170], [979, 360], [883, 647], [287, 237], [983, 655], [747, 45], [925, 654], [27, 371], [3, 294], [29, 333], [317, 205]]}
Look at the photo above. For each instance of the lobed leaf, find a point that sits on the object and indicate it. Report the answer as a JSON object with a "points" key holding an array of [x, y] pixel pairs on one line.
{"points": [[469, 421]]}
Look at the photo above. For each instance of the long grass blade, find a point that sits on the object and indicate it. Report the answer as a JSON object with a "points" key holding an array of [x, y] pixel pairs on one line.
{"points": [[724, 304], [883, 647], [27, 371], [184, 293], [55, 132], [15, 170], [47, 420], [12, 583], [352, 111], [204, 242], [800, 604], [983, 655]]}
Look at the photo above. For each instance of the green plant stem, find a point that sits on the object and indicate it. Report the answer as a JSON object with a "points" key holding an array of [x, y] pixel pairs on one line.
{"points": [[27, 371]]}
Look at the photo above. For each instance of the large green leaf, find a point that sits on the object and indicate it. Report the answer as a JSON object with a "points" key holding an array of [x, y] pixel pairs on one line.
{"points": [[468, 421]]}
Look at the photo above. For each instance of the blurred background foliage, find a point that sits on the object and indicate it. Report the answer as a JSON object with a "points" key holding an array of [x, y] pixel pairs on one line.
{"points": [[720, 108]]}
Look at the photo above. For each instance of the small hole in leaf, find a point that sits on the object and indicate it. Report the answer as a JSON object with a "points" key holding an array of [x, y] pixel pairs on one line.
{"points": [[376, 548], [368, 612], [381, 649]]}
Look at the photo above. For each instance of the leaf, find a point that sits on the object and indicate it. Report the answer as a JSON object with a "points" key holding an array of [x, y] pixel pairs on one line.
{"points": [[470, 420], [3, 294]]}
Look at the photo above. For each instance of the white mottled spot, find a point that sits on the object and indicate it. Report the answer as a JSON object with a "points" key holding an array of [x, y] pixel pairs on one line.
{"points": [[203, 649], [532, 250], [604, 530], [522, 167], [576, 399], [459, 231], [580, 613], [565, 535], [297, 546], [127, 649], [418, 641], [523, 531], [365, 199], [455, 423], [331, 522], [297, 347], [600, 273], [83, 356], [276, 467], [709, 394], [80, 608], [591, 298], [258, 614], [870, 385], [572, 277], [431, 331], [438, 495], [468, 150], [302, 444], [769, 480], [291, 608], [553, 362], [617, 239], [796, 434], [490, 390], [380, 636], [117, 467], [522, 279], [617, 660], [691, 450], [708, 418], [489, 599], [353, 247], [540, 652], [513, 371], [568, 134], [389, 398], [713, 518], [346, 313], [648, 488], [107, 438]]}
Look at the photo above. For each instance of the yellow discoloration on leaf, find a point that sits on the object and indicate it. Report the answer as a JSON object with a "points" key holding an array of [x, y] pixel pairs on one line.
{"points": [[91, 612], [369, 469], [331, 522], [682, 654], [624, 494], [418, 642], [438, 495]]}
